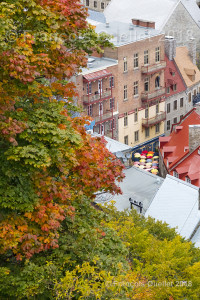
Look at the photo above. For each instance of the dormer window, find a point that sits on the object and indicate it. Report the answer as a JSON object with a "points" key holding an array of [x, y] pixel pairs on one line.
{"points": [[175, 174], [187, 179]]}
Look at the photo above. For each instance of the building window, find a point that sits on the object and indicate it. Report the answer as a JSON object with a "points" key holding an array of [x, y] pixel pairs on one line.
{"points": [[87, 2], [175, 174], [157, 128], [111, 80], [157, 82], [187, 179], [146, 113], [147, 132], [175, 120], [135, 88], [168, 90], [146, 84], [125, 92], [112, 103], [95, 4], [181, 117], [112, 124], [157, 108], [126, 119], [136, 116], [146, 57], [136, 136], [168, 108], [168, 125], [175, 105], [125, 64], [89, 110], [157, 54], [189, 97], [174, 87], [135, 61], [181, 102], [102, 5], [126, 140], [100, 109], [89, 88]]}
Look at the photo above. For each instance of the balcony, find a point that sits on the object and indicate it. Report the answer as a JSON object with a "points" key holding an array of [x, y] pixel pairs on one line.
{"points": [[147, 96], [161, 116], [92, 98], [103, 117], [150, 69]]}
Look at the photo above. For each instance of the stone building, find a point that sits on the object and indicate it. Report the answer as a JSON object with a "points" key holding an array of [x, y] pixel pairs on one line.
{"points": [[97, 5], [177, 18]]}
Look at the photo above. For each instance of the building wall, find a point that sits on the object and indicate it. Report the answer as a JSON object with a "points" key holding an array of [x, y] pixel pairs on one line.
{"points": [[179, 112], [107, 112], [134, 126], [98, 5], [181, 26]]}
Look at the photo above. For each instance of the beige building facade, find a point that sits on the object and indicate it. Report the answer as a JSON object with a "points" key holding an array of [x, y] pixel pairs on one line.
{"points": [[97, 5]]}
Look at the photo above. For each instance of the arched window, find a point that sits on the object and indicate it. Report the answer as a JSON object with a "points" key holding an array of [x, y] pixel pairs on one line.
{"points": [[157, 82]]}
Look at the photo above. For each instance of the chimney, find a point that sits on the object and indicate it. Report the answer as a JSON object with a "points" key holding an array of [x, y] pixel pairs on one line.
{"points": [[192, 50], [170, 47], [143, 23], [194, 137]]}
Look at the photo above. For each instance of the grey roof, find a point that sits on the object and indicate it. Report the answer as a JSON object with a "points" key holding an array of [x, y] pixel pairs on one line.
{"points": [[112, 145], [123, 33], [96, 16], [193, 9], [98, 64], [151, 10], [138, 185], [176, 203]]}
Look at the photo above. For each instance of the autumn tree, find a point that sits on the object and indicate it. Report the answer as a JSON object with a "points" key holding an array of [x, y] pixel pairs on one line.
{"points": [[53, 242]]}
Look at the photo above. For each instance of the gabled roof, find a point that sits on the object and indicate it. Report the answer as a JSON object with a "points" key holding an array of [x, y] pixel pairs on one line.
{"points": [[191, 166], [138, 185], [151, 10], [176, 203], [189, 71], [179, 140]]}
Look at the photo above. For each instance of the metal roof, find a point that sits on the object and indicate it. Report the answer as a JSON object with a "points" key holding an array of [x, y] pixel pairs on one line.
{"points": [[176, 203], [138, 185], [96, 75]]}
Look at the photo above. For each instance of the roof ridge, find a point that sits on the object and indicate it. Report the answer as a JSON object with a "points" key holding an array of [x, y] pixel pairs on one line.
{"points": [[182, 182]]}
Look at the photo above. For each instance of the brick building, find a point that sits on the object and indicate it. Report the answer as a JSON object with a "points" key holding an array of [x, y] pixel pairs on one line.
{"points": [[130, 104], [97, 91], [180, 152]]}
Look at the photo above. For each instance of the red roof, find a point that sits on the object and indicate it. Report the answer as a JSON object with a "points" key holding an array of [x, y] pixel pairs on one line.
{"points": [[172, 77], [190, 166], [179, 140], [97, 75]]}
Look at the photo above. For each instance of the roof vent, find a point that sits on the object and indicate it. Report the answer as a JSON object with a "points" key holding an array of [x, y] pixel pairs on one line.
{"points": [[107, 25]]}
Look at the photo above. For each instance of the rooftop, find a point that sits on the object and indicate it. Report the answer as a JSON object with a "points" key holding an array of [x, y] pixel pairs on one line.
{"points": [[112, 145], [179, 139], [124, 33], [138, 185], [176, 203], [150, 10], [96, 64], [188, 70]]}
